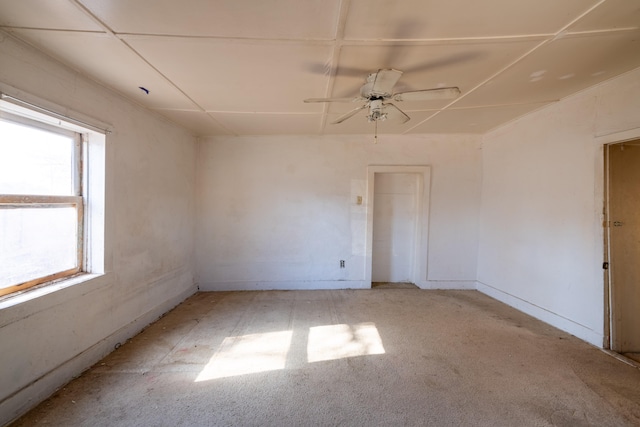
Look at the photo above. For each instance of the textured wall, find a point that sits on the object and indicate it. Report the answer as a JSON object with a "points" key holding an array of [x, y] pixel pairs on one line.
{"points": [[541, 238], [150, 203], [280, 212]]}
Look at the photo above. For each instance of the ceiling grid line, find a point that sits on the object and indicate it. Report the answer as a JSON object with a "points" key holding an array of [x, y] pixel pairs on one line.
{"points": [[223, 67], [113, 34], [82, 8], [177, 87], [510, 65], [333, 65]]}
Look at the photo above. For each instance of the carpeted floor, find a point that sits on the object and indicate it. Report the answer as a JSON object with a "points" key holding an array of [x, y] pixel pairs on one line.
{"points": [[383, 357]]}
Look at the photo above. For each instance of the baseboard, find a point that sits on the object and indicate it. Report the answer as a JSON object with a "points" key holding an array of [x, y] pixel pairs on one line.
{"points": [[447, 284], [25, 399], [325, 284], [553, 319], [284, 285]]}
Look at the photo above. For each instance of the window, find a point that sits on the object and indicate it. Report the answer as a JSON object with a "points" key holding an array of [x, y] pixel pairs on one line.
{"points": [[41, 206], [47, 229]]}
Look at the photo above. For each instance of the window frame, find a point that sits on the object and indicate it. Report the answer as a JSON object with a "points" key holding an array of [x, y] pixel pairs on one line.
{"points": [[35, 201]]}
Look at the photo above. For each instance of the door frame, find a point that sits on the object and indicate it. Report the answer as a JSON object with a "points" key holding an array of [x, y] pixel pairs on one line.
{"points": [[606, 141], [421, 233]]}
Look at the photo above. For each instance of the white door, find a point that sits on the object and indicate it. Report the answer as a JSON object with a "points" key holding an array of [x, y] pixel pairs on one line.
{"points": [[394, 227], [624, 245]]}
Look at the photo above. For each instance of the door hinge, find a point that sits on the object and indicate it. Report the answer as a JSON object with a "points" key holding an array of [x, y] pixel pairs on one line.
{"points": [[605, 265]]}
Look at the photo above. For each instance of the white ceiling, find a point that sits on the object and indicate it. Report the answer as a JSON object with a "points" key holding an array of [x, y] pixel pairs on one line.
{"points": [[243, 67]]}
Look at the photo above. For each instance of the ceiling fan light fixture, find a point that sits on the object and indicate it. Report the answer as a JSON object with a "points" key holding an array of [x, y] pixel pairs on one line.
{"points": [[377, 116], [376, 112]]}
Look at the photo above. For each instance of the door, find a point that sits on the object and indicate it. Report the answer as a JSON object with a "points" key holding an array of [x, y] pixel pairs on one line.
{"points": [[394, 227], [624, 245]]}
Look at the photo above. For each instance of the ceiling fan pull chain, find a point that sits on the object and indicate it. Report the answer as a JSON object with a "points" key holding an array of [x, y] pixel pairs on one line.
{"points": [[375, 135]]}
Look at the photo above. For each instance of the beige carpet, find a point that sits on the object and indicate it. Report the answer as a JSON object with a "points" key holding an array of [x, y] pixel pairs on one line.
{"points": [[400, 357]]}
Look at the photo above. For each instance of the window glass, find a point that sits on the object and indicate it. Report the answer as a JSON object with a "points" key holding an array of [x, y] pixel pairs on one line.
{"points": [[37, 242], [35, 161]]}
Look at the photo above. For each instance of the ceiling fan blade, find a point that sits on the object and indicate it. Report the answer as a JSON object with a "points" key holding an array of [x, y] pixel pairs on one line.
{"points": [[352, 99], [349, 114], [428, 94], [395, 114], [384, 81]]}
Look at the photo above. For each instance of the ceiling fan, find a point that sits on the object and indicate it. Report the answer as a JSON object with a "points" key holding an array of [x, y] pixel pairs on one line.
{"points": [[377, 94]]}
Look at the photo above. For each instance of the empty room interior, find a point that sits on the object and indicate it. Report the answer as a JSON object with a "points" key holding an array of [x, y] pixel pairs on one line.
{"points": [[319, 212]]}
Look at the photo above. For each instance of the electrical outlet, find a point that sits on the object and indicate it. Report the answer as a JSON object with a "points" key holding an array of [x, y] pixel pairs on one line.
{"points": [[341, 263], [359, 200]]}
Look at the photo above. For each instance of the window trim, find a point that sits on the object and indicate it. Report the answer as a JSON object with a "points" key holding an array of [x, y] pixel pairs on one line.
{"points": [[21, 107], [97, 188]]}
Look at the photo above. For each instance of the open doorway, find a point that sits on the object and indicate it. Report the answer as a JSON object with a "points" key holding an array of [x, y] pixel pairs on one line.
{"points": [[622, 235], [397, 223], [395, 220]]}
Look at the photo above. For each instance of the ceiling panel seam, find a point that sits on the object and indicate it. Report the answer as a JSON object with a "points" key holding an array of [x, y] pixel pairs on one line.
{"points": [[559, 33], [246, 59], [248, 40], [109, 31], [333, 68], [168, 80], [53, 30], [446, 40], [93, 17]]}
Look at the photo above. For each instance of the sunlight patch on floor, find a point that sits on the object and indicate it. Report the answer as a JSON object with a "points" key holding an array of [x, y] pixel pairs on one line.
{"points": [[248, 354], [333, 342]]}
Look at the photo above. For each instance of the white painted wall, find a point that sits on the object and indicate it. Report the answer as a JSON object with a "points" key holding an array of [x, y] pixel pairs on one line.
{"points": [[541, 239], [280, 212], [150, 204]]}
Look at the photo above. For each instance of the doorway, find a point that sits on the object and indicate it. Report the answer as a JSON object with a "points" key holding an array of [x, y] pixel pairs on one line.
{"points": [[394, 226], [623, 241], [397, 224]]}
